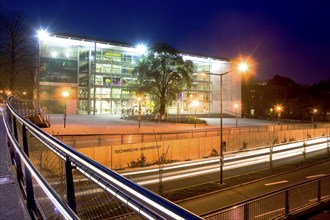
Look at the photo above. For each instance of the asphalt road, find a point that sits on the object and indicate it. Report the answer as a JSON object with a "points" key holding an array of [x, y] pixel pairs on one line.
{"points": [[211, 202], [190, 173]]}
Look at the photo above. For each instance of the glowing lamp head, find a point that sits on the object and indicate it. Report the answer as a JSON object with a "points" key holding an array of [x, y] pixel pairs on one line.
{"points": [[243, 67], [195, 103], [42, 34], [65, 94], [141, 48], [279, 108]]}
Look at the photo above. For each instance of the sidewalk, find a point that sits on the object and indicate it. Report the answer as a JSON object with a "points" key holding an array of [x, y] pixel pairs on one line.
{"points": [[12, 205]]}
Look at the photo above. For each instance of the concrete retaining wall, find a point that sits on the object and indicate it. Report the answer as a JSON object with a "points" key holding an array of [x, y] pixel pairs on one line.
{"points": [[125, 155]]}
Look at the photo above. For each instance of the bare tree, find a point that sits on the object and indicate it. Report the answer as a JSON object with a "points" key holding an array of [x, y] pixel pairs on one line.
{"points": [[17, 55]]}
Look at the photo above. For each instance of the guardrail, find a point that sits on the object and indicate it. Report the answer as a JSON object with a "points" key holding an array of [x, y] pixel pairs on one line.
{"points": [[27, 108], [280, 204], [61, 183], [281, 151], [109, 139]]}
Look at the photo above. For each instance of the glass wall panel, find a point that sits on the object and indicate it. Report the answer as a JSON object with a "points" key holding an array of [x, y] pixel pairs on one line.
{"points": [[108, 70]]}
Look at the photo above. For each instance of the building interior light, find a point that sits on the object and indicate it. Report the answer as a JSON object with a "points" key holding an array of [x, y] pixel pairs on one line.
{"points": [[54, 54]]}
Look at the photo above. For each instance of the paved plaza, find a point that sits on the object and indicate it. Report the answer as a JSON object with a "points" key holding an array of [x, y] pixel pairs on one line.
{"points": [[113, 124]]}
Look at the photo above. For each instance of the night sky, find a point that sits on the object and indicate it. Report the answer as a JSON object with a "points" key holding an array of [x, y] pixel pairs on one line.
{"points": [[284, 37]]}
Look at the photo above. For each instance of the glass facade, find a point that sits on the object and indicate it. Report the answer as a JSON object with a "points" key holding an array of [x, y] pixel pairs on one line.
{"points": [[96, 75]]}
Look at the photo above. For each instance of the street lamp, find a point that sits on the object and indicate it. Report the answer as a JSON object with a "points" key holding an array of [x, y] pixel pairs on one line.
{"points": [[314, 112], [65, 94], [139, 111], [279, 110], [242, 67], [195, 104], [236, 108]]}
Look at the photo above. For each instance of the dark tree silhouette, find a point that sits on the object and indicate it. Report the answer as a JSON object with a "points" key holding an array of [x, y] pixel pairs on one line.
{"points": [[17, 53]]}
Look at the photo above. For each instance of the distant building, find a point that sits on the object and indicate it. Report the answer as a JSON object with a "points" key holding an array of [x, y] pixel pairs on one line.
{"points": [[96, 74], [260, 97]]}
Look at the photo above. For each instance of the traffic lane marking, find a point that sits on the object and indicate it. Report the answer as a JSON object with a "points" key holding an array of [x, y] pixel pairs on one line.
{"points": [[275, 183], [315, 176]]}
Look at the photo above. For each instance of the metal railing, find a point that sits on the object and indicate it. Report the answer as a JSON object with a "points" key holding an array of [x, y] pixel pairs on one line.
{"points": [[27, 108], [61, 183], [131, 138], [279, 204]]}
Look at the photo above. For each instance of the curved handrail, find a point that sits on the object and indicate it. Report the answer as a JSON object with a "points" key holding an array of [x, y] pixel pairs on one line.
{"points": [[51, 193], [141, 200]]}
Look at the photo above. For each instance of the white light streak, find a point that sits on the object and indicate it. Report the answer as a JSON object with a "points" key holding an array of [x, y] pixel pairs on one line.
{"points": [[315, 176], [276, 183]]}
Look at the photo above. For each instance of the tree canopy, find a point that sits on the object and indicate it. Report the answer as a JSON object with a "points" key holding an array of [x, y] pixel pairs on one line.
{"points": [[162, 74]]}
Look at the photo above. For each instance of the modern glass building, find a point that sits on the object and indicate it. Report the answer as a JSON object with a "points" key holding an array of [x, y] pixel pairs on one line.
{"points": [[96, 75]]}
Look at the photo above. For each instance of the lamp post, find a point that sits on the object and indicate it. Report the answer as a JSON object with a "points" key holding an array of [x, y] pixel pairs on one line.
{"points": [[236, 108], [195, 104], [242, 67], [65, 94], [314, 112], [279, 110], [139, 111]]}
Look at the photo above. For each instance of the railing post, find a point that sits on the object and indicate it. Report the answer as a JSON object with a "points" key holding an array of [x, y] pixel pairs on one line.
{"points": [[304, 150], [271, 157], [29, 192], [142, 137], [122, 139], [319, 191], [328, 143], [25, 142], [69, 185], [19, 168], [28, 178], [246, 211], [14, 128], [286, 203], [11, 150], [11, 147]]}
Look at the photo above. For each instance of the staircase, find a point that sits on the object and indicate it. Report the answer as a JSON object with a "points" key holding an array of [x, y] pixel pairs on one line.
{"points": [[39, 119]]}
